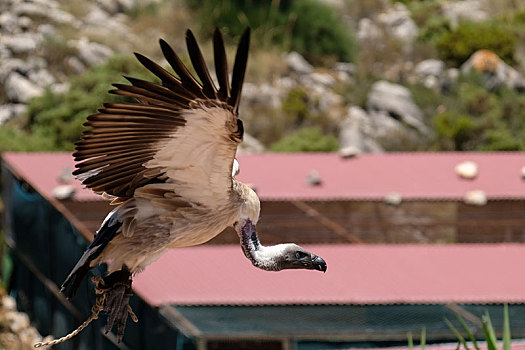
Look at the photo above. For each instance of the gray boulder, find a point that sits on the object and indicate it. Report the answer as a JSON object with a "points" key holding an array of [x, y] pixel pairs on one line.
{"points": [[429, 72], [25, 43], [75, 64], [345, 71], [7, 66], [398, 22], [250, 145], [43, 9], [430, 67], [25, 23], [10, 65], [100, 21], [41, 77], [395, 101], [4, 53], [110, 6], [495, 71], [368, 30], [471, 10], [91, 53], [20, 89], [11, 110], [356, 133], [8, 23], [346, 67], [296, 63], [262, 94], [46, 30]]}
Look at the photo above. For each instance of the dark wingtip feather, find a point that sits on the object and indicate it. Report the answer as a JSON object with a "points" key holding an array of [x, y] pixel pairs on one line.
{"points": [[165, 76], [221, 65], [208, 87], [188, 81], [239, 70]]}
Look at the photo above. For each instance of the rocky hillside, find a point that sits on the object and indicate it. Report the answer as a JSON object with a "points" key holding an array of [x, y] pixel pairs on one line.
{"points": [[410, 85]]}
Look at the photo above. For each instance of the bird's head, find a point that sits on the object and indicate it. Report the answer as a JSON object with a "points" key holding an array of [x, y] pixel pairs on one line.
{"points": [[272, 258], [293, 256], [276, 257]]}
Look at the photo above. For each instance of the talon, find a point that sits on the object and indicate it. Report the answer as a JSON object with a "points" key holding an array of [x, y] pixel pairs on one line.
{"points": [[115, 291]]}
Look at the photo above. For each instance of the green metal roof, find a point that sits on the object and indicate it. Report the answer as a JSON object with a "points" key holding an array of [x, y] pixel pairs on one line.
{"points": [[355, 323]]}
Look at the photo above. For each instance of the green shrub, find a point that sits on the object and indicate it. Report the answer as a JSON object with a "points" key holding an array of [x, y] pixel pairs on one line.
{"points": [[519, 17], [295, 104], [454, 130], [423, 11], [456, 46], [306, 140], [12, 138], [309, 27], [433, 28], [501, 139], [318, 32]]}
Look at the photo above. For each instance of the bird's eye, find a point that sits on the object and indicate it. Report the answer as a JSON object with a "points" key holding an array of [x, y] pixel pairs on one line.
{"points": [[299, 254]]}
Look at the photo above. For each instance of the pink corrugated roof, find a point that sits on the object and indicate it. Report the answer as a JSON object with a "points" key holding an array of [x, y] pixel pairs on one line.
{"points": [[41, 170], [373, 176], [428, 176], [357, 274]]}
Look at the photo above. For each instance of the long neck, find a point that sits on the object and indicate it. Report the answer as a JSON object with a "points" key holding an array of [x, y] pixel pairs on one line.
{"points": [[261, 256]]}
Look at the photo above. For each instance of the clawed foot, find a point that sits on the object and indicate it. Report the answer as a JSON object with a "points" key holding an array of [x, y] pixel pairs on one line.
{"points": [[115, 291]]}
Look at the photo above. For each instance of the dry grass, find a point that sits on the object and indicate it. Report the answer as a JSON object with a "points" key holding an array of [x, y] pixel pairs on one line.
{"points": [[364, 9], [77, 8], [169, 21], [501, 7], [265, 65]]}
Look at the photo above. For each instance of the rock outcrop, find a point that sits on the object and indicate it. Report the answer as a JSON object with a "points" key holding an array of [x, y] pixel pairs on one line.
{"points": [[494, 70]]}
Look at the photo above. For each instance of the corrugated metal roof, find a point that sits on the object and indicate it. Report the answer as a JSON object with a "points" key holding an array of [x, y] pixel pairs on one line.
{"points": [[427, 176], [340, 323], [516, 344], [42, 171], [374, 176], [357, 274]]}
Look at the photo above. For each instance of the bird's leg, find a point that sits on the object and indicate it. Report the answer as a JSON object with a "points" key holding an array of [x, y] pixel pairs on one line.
{"points": [[116, 291]]}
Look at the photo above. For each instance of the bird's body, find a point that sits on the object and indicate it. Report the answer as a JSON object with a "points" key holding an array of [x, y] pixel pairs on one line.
{"points": [[168, 162], [149, 229]]}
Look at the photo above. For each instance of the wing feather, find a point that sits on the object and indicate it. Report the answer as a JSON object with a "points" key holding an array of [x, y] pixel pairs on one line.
{"points": [[221, 65], [185, 76], [166, 77], [239, 69], [208, 88], [179, 132]]}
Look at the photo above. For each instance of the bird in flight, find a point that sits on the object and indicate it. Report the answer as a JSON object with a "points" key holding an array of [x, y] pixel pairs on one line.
{"points": [[167, 161]]}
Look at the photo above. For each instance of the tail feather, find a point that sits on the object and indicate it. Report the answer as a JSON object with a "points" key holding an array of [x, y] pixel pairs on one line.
{"points": [[104, 235]]}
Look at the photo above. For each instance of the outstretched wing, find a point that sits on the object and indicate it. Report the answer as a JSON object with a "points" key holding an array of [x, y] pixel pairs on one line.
{"points": [[181, 132]]}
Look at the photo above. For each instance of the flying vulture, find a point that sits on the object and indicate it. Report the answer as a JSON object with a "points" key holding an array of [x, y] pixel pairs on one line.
{"points": [[168, 163]]}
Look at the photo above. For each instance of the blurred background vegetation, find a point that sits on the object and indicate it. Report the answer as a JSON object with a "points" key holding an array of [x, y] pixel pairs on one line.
{"points": [[465, 116]]}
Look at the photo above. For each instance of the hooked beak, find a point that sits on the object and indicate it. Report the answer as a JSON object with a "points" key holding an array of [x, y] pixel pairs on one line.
{"points": [[319, 263]]}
